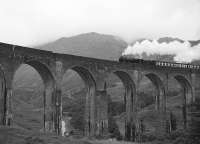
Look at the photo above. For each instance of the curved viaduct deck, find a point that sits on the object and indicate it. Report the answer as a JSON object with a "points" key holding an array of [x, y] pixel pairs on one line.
{"points": [[52, 66]]}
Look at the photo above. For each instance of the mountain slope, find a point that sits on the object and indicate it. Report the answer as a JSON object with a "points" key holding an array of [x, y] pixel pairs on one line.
{"points": [[90, 45]]}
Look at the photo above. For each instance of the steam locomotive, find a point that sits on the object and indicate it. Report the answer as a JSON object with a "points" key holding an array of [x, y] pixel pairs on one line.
{"points": [[130, 59]]}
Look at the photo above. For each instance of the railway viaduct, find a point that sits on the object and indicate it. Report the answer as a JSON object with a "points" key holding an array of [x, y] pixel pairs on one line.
{"points": [[94, 72]]}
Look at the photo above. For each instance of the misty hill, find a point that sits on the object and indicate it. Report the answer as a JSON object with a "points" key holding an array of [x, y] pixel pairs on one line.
{"points": [[90, 45], [168, 40]]}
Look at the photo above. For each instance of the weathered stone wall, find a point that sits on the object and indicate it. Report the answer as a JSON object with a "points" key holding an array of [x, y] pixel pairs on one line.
{"points": [[101, 113]]}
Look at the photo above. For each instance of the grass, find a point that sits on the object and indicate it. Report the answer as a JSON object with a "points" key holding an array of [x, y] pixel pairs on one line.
{"points": [[14, 135]]}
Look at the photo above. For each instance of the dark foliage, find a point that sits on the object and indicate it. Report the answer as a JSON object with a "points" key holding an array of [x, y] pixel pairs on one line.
{"points": [[116, 108], [76, 109], [77, 120], [173, 121], [145, 99], [113, 129], [172, 93], [195, 119]]}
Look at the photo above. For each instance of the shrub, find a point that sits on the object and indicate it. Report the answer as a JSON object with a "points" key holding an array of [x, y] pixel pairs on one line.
{"points": [[113, 129], [148, 138]]}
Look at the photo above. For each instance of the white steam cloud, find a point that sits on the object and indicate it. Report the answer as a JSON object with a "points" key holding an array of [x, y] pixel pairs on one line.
{"points": [[183, 52]]}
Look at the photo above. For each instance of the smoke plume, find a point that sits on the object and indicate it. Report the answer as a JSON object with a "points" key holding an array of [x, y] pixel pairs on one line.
{"points": [[182, 51]]}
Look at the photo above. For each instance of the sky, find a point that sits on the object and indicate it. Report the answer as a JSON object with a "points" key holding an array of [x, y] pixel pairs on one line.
{"points": [[33, 22]]}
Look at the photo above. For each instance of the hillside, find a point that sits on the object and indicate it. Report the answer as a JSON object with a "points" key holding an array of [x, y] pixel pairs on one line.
{"points": [[150, 116], [20, 136], [90, 45]]}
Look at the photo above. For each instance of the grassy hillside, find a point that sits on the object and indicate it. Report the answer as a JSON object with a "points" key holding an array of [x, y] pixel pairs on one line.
{"points": [[21, 136], [90, 44], [151, 117]]}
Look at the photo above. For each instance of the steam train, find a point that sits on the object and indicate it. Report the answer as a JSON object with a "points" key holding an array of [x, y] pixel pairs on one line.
{"points": [[130, 59]]}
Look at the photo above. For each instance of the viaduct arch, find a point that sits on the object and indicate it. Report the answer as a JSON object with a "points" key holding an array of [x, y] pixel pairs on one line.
{"points": [[159, 87], [130, 102], [90, 86], [187, 97], [48, 92], [158, 106]]}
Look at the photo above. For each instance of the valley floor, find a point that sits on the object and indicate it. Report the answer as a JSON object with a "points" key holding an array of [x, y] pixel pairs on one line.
{"points": [[20, 136], [113, 142]]}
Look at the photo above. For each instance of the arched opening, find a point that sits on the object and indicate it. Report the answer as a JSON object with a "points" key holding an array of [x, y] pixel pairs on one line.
{"points": [[78, 102], [33, 97], [159, 89], [121, 92], [178, 103], [2, 97], [150, 101]]}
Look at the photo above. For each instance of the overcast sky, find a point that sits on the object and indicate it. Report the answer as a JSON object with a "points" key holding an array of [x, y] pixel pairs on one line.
{"points": [[32, 22]]}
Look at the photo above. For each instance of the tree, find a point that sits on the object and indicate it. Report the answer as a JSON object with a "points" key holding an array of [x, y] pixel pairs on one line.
{"points": [[194, 126]]}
